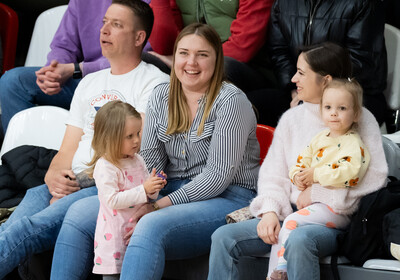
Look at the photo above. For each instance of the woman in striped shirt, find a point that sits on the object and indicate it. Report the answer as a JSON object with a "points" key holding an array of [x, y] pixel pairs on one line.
{"points": [[202, 132]]}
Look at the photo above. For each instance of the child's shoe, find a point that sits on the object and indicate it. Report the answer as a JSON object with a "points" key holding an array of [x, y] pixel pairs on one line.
{"points": [[278, 275], [395, 250]]}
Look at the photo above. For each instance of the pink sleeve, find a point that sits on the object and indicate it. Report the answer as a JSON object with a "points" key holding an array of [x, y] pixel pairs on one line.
{"points": [[107, 177], [248, 30]]}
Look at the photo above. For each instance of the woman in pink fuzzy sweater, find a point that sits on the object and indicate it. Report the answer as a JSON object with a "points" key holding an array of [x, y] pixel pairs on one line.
{"points": [[278, 197]]}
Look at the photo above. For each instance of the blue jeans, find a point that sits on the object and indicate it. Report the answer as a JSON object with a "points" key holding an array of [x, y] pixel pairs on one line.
{"points": [[19, 91], [76, 238], [176, 232], [304, 247], [34, 226]]}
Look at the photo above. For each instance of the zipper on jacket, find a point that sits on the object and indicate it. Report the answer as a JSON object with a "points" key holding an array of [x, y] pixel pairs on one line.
{"points": [[364, 220], [200, 12], [364, 225], [313, 10]]}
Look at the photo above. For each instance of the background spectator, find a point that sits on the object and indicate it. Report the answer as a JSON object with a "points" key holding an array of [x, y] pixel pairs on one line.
{"points": [[357, 25]]}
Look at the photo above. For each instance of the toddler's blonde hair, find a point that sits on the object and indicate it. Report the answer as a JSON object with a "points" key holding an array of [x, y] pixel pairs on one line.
{"points": [[109, 127]]}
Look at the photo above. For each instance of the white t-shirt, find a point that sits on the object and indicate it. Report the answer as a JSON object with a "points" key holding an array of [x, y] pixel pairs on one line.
{"points": [[96, 89]]}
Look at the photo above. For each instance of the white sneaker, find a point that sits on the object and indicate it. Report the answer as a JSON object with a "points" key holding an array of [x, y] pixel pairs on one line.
{"points": [[395, 250]]}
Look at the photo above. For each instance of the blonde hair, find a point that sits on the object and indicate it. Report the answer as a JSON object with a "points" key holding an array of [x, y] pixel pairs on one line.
{"points": [[109, 127], [178, 110], [351, 86]]}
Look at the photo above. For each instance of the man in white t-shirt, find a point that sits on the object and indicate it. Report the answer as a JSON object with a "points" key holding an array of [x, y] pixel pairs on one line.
{"points": [[35, 224]]}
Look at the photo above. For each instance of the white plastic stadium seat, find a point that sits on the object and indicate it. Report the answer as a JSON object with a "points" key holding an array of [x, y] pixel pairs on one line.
{"points": [[392, 92], [42, 126], [45, 27], [393, 265]]}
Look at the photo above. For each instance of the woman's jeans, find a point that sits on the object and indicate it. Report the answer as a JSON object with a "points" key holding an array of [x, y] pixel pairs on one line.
{"points": [[34, 226], [175, 232], [303, 249], [19, 91]]}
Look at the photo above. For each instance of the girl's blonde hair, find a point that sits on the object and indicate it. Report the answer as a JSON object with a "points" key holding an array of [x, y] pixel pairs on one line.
{"points": [[179, 119], [351, 86], [109, 127]]}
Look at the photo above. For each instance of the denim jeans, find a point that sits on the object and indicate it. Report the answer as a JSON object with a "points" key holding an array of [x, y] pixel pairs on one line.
{"points": [[175, 232], [19, 91], [304, 247], [73, 256], [34, 226]]}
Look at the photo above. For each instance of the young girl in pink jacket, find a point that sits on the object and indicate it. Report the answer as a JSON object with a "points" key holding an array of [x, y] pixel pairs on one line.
{"points": [[122, 181]]}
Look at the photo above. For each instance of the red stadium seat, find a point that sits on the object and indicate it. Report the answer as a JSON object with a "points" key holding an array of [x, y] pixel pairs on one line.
{"points": [[265, 134], [8, 33]]}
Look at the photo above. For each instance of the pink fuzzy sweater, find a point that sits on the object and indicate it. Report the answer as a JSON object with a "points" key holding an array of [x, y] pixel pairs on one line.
{"points": [[295, 130]]}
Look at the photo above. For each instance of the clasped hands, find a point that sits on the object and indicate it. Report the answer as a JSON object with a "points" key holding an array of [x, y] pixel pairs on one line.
{"points": [[51, 78], [304, 178]]}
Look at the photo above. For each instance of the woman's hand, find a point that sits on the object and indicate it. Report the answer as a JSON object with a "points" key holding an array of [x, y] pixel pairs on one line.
{"points": [[304, 199], [141, 211], [268, 228]]}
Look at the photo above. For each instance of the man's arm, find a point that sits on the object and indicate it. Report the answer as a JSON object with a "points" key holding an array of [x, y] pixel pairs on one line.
{"points": [[167, 25], [75, 43], [59, 178], [248, 30]]}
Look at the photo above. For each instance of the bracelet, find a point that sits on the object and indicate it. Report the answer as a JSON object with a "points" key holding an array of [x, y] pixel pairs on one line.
{"points": [[155, 206]]}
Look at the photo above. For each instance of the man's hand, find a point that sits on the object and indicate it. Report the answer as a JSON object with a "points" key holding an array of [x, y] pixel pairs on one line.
{"points": [[268, 228], [295, 99], [51, 78], [304, 199], [61, 182], [140, 212]]}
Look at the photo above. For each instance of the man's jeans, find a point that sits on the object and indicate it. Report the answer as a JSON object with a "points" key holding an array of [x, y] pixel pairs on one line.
{"points": [[19, 91], [34, 225]]}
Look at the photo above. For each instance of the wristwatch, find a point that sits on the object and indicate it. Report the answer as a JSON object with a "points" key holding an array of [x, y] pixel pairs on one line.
{"points": [[77, 72], [155, 206]]}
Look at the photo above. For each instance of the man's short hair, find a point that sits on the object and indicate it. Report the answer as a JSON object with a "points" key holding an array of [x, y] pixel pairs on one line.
{"points": [[143, 12]]}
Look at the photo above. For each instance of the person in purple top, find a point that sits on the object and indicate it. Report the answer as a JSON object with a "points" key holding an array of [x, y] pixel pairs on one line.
{"points": [[75, 52]]}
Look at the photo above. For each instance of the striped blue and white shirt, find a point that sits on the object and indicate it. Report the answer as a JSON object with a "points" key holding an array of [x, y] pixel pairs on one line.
{"points": [[226, 153]]}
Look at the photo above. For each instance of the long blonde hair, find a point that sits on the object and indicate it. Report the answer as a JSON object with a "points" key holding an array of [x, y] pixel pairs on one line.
{"points": [[109, 127], [178, 110]]}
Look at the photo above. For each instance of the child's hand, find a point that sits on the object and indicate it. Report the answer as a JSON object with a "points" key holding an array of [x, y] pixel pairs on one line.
{"points": [[162, 175], [306, 176], [296, 181], [154, 183], [300, 186]]}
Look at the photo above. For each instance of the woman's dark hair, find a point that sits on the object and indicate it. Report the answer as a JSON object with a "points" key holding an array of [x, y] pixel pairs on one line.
{"points": [[328, 59]]}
